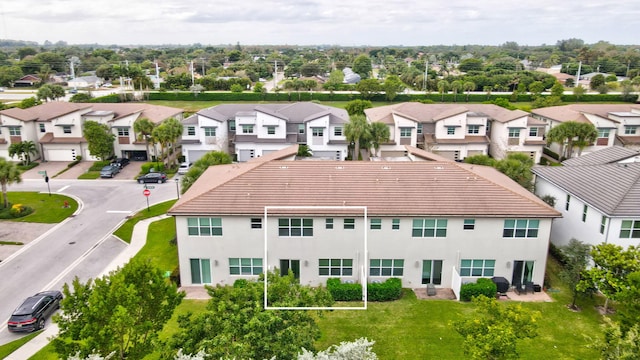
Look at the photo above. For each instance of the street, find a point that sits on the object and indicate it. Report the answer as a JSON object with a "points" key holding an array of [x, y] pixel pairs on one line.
{"points": [[81, 246]]}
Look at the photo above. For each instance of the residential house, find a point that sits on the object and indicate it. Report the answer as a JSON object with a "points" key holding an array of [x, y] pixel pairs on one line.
{"points": [[598, 195], [617, 124], [56, 127], [457, 131], [86, 82], [27, 80], [253, 130], [355, 220]]}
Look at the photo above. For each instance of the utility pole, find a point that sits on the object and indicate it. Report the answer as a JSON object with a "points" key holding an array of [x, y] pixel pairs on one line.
{"points": [[157, 76], [275, 76], [193, 81], [426, 75], [203, 73], [73, 73], [578, 76]]}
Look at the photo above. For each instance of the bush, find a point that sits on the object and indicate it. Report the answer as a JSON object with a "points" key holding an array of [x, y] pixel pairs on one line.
{"points": [[550, 153], [28, 167], [386, 291], [146, 167], [344, 292], [19, 210], [557, 254], [98, 165], [483, 286]]}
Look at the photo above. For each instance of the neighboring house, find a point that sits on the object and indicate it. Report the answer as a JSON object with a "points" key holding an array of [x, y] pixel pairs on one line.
{"points": [[85, 82], [457, 131], [26, 81], [253, 130], [598, 195], [617, 124], [438, 222], [56, 127]]}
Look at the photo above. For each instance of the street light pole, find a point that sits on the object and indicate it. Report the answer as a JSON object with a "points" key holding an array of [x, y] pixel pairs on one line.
{"points": [[177, 188]]}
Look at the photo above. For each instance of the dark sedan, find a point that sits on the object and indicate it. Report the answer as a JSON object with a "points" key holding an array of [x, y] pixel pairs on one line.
{"points": [[120, 162], [154, 177], [32, 314]]}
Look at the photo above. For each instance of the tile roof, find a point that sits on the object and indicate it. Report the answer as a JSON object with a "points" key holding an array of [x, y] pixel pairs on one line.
{"points": [[437, 188], [612, 188], [575, 112], [298, 112], [46, 111], [607, 155], [430, 113]]}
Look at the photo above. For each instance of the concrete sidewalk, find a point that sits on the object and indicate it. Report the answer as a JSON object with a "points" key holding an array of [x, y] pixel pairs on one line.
{"points": [[138, 240]]}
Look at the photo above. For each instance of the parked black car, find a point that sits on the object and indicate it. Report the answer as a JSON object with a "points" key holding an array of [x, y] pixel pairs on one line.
{"points": [[154, 177], [34, 311], [109, 171], [120, 162]]}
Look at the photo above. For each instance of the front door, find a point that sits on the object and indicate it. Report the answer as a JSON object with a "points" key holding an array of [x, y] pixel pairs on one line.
{"points": [[522, 271], [294, 265]]}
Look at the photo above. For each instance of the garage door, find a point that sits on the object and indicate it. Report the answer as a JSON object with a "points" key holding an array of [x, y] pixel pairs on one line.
{"points": [[195, 155], [452, 155], [475, 152], [333, 155], [245, 155], [393, 153], [61, 155]]}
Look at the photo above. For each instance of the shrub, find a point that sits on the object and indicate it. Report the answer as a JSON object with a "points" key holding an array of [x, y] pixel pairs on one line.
{"points": [[146, 167], [389, 290], [550, 153], [344, 292], [19, 210], [483, 286], [28, 167], [98, 165]]}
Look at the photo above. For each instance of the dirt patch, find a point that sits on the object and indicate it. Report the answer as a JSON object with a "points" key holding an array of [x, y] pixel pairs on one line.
{"points": [[21, 233], [441, 294]]}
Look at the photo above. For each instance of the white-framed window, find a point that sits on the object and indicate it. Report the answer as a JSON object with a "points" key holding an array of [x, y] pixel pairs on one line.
{"points": [[477, 267], [210, 131], [469, 224], [42, 128], [451, 130], [121, 131], [66, 129], [200, 271], [14, 131], [328, 223], [247, 129], [514, 132], [405, 132], [256, 223], [337, 131], [295, 227], [335, 267], [301, 128], [245, 266], [473, 129], [395, 224], [429, 228], [349, 224], [376, 224], [520, 228], [630, 130], [191, 131], [419, 129], [386, 267], [603, 133], [533, 131], [630, 229], [603, 224], [271, 130], [318, 132], [204, 226]]}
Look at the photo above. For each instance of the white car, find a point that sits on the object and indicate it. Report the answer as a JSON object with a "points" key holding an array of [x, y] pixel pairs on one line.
{"points": [[184, 167]]}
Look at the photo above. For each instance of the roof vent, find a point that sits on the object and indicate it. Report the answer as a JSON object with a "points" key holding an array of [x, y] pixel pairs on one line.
{"points": [[386, 167], [284, 167], [339, 167], [439, 167]]}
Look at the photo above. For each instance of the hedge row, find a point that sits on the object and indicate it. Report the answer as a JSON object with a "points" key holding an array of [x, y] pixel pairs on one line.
{"points": [[483, 286], [389, 290]]}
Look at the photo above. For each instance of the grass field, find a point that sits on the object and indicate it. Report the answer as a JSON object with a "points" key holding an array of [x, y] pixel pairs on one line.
{"points": [[125, 230], [47, 208]]}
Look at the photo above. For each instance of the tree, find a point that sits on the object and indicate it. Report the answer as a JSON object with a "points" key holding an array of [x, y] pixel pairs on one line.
{"points": [[9, 174], [517, 166], [175, 133], [470, 64], [9, 74], [576, 256], [585, 135], [357, 131], [236, 324], [629, 303], [362, 66], [368, 87], [597, 81], [494, 329], [50, 92], [480, 160], [536, 88], [162, 135], [612, 265], [573, 134], [24, 150], [392, 86], [122, 312], [359, 349], [380, 133], [357, 106], [443, 87], [209, 159], [143, 128], [99, 139], [336, 78], [456, 86], [557, 89]]}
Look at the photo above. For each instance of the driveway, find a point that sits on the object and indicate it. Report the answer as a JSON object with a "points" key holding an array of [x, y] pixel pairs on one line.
{"points": [[54, 168]]}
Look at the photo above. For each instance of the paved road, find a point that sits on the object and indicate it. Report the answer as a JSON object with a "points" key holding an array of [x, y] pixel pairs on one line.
{"points": [[81, 246]]}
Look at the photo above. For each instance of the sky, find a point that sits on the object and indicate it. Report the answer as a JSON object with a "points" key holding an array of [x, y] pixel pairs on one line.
{"points": [[320, 22]]}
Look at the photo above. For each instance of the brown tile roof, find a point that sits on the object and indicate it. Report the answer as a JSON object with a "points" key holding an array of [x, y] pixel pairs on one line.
{"points": [[45, 112], [430, 113], [425, 155], [439, 188], [575, 112], [48, 138], [155, 113]]}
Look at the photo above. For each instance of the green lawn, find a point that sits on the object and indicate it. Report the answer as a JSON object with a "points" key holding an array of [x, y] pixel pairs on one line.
{"points": [[47, 208], [160, 248], [7, 349], [124, 232]]}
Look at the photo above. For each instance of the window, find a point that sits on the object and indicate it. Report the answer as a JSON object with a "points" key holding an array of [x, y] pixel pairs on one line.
{"points": [[300, 128], [337, 131], [533, 131], [247, 129], [42, 128], [14, 131], [469, 224], [514, 133], [630, 130], [271, 130], [603, 224], [630, 229], [317, 131], [477, 267], [419, 130], [256, 223], [376, 224], [349, 224], [121, 131], [429, 228], [432, 272], [451, 130], [520, 228], [566, 205], [405, 132], [200, 271], [584, 213], [386, 267], [245, 266], [204, 226], [395, 224], [66, 129], [295, 227], [603, 133], [210, 131], [473, 129], [328, 223], [335, 267], [191, 130], [232, 125]]}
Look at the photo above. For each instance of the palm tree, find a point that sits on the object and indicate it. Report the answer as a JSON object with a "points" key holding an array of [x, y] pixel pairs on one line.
{"points": [[455, 87], [379, 134], [468, 87], [162, 135], [573, 134], [175, 130], [586, 134], [15, 149], [443, 87], [9, 174], [357, 131], [28, 149], [143, 128]]}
